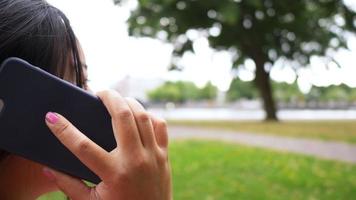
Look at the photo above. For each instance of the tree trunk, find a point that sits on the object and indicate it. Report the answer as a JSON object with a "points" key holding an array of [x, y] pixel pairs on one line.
{"points": [[263, 84]]}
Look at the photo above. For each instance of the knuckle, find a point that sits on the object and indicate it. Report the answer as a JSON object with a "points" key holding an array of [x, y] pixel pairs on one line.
{"points": [[124, 114], [162, 157], [123, 174], [143, 117], [141, 163], [83, 146], [162, 124], [62, 129]]}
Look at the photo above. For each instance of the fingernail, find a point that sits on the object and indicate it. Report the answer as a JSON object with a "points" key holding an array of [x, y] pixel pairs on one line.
{"points": [[51, 118], [48, 173]]}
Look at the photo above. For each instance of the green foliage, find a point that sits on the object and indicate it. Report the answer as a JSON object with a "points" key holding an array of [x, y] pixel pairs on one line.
{"points": [[174, 92], [262, 30], [182, 91], [271, 29], [284, 92], [241, 90], [208, 92], [352, 96], [332, 93]]}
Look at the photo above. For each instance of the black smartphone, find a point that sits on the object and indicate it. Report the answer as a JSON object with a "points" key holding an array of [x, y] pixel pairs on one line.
{"points": [[27, 93]]}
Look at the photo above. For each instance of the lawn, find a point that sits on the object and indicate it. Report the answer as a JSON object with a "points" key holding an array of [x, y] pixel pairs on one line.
{"points": [[324, 130], [214, 170]]}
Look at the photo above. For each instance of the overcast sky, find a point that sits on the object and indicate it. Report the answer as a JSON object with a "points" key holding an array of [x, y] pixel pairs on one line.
{"points": [[111, 54]]}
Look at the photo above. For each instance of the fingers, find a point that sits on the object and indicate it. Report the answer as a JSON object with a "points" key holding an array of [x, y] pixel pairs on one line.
{"points": [[74, 188], [92, 155], [123, 121], [161, 131], [144, 123]]}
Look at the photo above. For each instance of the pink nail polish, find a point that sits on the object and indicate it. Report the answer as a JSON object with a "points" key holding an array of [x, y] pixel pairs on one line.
{"points": [[48, 173], [51, 118]]}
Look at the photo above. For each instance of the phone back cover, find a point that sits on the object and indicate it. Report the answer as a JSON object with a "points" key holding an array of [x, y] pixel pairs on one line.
{"points": [[29, 93]]}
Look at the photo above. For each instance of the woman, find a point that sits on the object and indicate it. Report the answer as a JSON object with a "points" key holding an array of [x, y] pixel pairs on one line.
{"points": [[137, 169]]}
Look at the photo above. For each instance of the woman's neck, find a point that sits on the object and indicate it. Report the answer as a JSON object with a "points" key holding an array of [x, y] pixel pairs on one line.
{"points": [[21, 179]]}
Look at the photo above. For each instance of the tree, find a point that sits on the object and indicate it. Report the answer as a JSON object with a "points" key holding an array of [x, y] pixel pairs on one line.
{"points": [[177, 92], [208, 92], [337, 93], [287, 93], [241, 90], [165, 93], [262, 30], [282, 91]]}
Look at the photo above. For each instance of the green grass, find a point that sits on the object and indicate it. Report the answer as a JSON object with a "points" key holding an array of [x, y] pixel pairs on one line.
{"points": [[53, 196], [214, 170], [325, 130]]}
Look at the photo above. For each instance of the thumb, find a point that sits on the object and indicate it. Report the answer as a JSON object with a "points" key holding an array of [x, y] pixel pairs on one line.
{"points": [[74, 188]]}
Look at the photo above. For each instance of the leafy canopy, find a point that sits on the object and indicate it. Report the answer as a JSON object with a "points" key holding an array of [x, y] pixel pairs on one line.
{"points": [[182, 91], [287, 93], [290, 29]]}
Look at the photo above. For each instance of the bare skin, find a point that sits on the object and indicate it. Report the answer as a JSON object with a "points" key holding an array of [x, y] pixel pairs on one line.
{"points": [[23, 179], [137, 169]]}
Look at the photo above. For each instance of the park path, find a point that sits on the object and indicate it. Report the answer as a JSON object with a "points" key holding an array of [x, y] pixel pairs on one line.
{"points": [[323, 149]]}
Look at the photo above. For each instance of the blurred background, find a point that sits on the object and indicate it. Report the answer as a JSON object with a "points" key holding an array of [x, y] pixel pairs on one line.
{"points": [[259, 94]]}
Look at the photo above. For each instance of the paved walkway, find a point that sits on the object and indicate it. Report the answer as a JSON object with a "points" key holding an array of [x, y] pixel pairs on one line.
{"points": [[322, 149]]}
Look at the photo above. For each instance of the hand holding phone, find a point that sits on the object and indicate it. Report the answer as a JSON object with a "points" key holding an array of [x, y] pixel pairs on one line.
{"points": [[28, 93], [137, 169], [119, 145]]}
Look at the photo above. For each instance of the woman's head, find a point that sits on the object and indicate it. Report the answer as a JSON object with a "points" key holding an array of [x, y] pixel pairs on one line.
{"points": [[40, 34]]}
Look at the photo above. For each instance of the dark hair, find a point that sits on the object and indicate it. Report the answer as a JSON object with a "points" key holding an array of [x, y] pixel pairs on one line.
{"points": [[40, 34]]}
